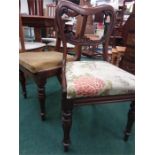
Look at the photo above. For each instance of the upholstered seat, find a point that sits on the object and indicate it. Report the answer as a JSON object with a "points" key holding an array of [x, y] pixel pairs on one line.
{"points": [[41, 61], [97, 78], [90, 82]]}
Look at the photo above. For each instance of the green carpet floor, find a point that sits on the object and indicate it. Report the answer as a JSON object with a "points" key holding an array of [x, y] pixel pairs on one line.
{"points": [[96, 130]]}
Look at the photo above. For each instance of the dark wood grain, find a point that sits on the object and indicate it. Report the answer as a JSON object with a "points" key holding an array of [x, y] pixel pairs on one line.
{"points": [[39, 77], [37, 21], [128, 60], [80, 40]]}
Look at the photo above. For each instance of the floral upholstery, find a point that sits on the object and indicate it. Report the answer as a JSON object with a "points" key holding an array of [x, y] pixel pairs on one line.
{"points": [[40, 61], [97, 78]]}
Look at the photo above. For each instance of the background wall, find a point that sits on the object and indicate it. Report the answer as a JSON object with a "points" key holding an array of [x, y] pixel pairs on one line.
{"points": [[24, 8]]}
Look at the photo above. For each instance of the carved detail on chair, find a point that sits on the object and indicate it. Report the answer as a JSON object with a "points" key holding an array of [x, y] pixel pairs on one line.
{"points": [[80, 39], [89, 82]]}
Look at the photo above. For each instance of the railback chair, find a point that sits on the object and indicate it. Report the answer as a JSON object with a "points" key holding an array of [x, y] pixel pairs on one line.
{"points": [[90, 82], [39, 66]]}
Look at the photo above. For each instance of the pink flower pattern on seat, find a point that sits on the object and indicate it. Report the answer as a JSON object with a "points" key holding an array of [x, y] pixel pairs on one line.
{"points": [[97, 78], [88, 86]]}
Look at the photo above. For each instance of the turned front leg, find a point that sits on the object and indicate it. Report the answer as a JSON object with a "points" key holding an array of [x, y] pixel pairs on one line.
{"points": [[66, 123], [23, 83], [131, 119], [41, 95]]}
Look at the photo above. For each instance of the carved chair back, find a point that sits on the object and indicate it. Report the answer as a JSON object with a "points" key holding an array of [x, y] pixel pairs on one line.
{"points": [[80, 39], [79, 84]]}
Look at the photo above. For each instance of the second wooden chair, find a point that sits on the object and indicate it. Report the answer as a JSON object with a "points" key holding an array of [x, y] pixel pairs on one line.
{"points": [[39, 66]]}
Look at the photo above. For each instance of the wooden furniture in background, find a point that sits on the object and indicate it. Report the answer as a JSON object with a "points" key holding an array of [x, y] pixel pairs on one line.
{"points": [[50, 31], [35, 7], [117, 37], [36, 22], [34, 43], [115, 54], [90, 82], [38, 65], [128, 60], [124, 51], [50, 11]]}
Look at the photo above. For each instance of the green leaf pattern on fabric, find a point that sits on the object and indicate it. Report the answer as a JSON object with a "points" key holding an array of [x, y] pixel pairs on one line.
{"points": [[97, 78]]}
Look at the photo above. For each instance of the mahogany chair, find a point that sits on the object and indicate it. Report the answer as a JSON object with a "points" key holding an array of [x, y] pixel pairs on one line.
{"points": [[39, 66], [91, 82]]}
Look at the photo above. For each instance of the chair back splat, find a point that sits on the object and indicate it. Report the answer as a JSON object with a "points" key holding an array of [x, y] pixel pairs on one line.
{"points": [[90, 82], [80, 39]]}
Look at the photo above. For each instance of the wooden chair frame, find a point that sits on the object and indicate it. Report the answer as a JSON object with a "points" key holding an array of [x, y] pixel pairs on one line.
{"points": [[67, 104], [39, 77]]}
